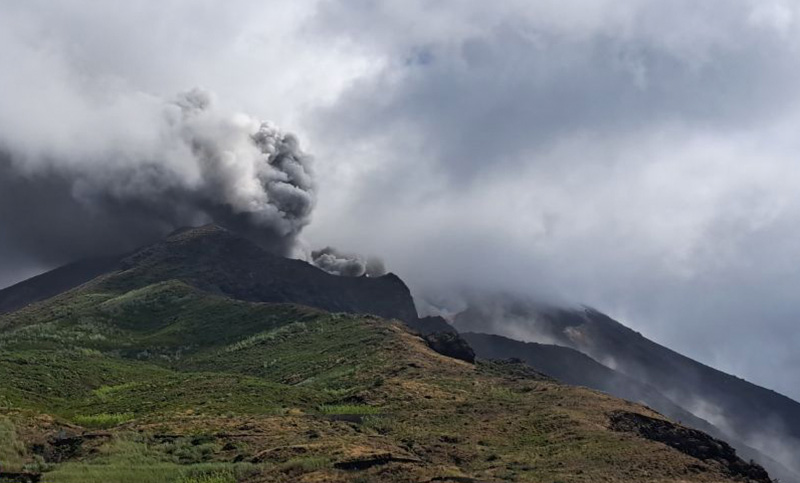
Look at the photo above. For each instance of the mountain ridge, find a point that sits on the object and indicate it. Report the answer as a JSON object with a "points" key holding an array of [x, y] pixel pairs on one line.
{"points": [[155, 372], [55, 281], [239, 267], [223, 264], [746, 409], [574, 367]]}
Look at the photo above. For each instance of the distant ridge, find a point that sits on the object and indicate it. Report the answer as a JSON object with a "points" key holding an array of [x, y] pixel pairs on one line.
{"points": [[55, 282], [573, 367], [750, 413]]}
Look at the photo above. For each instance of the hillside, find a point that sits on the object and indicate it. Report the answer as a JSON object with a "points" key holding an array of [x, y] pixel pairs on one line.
{"points": [[573, 367], [761, 418], [220, 262], [54, 282], [171, 369]]}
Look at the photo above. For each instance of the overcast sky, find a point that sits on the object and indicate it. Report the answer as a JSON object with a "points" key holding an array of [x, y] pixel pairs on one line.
{"points": [[638, 156]]}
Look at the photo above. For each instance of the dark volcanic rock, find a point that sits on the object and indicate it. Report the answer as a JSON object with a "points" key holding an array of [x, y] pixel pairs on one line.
{"points": [[368, 461], [450, 344], [688, 441], [218, 261], [20, 477]]}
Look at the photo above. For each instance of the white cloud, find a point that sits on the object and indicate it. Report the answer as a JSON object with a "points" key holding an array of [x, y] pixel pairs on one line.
{"points": [[639, 155]]}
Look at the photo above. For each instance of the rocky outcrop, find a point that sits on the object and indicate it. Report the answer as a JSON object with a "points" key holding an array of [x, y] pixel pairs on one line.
{"points": [[450, 344], [20, 477], [692, 442]]}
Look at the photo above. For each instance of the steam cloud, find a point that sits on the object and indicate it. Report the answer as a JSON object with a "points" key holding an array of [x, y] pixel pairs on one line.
{"points": [[185, 162], [347, 264]]}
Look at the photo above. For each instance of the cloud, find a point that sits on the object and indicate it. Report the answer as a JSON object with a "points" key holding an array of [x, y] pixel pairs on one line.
{"points": [[148, 166], [636, 156], [347, 264]]}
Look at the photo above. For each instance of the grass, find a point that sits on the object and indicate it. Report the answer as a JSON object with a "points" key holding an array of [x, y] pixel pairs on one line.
{"points": [[130, 458], [305, 465], [12, 450], [149, 473], [344, 409], [214, 477], [202, 381], [104, 392], [103, 420]]}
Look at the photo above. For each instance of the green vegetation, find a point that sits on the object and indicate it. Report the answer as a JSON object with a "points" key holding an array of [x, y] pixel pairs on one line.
{"points": [[12, 450], [359, 409], [225, 476], [305, 465], [167, 383], [103, 420], [132, 458]]}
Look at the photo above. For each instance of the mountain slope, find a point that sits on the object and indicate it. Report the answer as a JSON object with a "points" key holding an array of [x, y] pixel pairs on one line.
{"points": [[574, 367], [155, 373], [759, 417], [296, 394], [219, 261], [54, 282]]}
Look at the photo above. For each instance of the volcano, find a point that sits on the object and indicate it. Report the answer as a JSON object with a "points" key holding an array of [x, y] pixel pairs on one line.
{"points": [[205, 356]]}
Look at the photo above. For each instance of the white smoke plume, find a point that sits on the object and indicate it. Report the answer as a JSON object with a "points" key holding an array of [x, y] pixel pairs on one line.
{"points": [[347, 264], [181, 162]]}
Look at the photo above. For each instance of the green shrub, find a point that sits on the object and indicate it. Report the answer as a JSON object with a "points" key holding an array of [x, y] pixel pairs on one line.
{"points": [[103, 420], [305, 464], [224, 476], [187, 451], [105, 391], [349, 409]]}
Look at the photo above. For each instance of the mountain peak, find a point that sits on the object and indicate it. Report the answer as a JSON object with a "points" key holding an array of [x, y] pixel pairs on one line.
{"points": [[194, 231]]}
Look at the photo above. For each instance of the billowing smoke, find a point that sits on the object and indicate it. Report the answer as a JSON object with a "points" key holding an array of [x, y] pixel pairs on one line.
{"points": [[347, 264], [170, 163]]}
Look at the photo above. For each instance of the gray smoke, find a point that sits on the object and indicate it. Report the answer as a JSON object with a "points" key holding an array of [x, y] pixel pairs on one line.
{"points": [[347, 264], [167, 165]]}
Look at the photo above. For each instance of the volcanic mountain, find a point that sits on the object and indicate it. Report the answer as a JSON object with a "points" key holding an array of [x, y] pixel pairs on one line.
{"points": [[204, 358], [747, 415]]}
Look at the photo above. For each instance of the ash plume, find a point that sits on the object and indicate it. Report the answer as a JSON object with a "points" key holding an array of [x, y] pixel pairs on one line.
{"points": [[166, 164], [347, 264]]}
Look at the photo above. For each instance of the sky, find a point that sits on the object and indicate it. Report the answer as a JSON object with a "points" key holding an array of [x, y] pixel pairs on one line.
{"points": [[637, 156]]}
